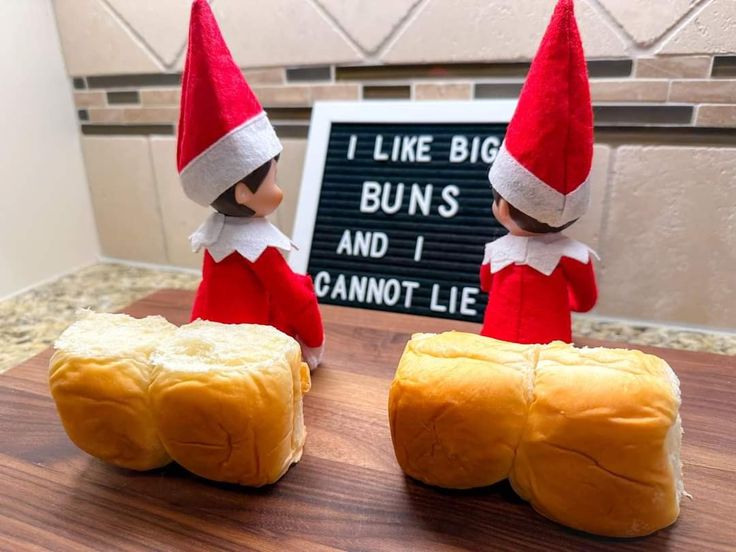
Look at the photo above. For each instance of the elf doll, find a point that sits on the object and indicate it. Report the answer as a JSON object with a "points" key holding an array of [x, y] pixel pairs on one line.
{"points": [[536, 276], [227, 156]]}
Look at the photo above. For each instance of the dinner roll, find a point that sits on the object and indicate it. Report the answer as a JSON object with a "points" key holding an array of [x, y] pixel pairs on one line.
{"points": [[457, 407], [227, 400], [601, 447], [591, 437], [99, 376]]}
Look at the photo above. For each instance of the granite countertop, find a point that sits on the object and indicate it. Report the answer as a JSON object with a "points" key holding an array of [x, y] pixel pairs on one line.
{"points": [[30, 322]]}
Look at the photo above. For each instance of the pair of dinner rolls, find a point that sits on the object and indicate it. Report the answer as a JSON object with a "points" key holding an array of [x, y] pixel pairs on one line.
{"points": [[591, 437], [224, 401]]}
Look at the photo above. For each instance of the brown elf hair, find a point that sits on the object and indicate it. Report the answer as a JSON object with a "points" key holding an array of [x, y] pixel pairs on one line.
{"points": [[226, 202], [527, 223]]}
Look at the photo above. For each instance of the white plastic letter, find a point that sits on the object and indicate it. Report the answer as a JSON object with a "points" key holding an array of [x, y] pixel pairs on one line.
{"points": [[370, 197], [409, 286], [398, 200], [351, 146], [434, 304], [345, 245], [467, 299], [391, 292], [322, 283], [423, 145], [449, 195], [407, 149], [458, 149], [375, 290], [420, 198], [362, 243], [340, 288], [489, 149], [357, 288], [379, 155], [418, 249], [379, 245]]}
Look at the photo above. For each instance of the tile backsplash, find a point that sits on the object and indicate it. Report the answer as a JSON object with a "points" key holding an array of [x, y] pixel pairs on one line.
{"points": [[663, 83]]}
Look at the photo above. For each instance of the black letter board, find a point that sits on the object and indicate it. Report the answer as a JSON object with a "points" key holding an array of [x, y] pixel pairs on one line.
{"points": [[403, 212]]}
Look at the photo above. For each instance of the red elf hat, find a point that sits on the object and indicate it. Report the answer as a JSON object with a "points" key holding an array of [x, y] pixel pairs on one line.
{"points": [[224, 134], [543, 166]]}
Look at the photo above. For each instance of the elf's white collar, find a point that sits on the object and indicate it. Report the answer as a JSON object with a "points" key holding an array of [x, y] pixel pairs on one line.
{"points": [[542, 253], [249, 236]]}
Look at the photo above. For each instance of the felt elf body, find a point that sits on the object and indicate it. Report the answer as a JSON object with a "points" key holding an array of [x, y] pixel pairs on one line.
{"points": [[227, 156], [536, 276]]}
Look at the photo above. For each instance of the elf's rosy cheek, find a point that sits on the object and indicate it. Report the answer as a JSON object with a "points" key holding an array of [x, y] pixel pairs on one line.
{"points": [[278, 196]]}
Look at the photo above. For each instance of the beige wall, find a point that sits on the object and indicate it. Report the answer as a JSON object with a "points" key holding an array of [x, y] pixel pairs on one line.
{"points": [[46, 224], [140, 36], [662, 219], [666, 222], [664, 198], [142, 213]]}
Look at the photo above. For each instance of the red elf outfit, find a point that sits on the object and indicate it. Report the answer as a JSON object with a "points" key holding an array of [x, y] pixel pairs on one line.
{"points": [[542, 169], [224, 135]]}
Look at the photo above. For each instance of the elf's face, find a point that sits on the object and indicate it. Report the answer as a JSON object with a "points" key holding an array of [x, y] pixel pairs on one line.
{"points": [[267, 196]]}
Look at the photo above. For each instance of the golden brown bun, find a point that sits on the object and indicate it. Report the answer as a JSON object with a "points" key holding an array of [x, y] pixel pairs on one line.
{"points": [[600, 451], [227, 400], [591, 437], [99, 376], [457, 407]]}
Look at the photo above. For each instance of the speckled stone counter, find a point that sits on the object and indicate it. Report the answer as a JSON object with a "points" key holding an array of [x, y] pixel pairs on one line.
{"points": [[30, 322]]}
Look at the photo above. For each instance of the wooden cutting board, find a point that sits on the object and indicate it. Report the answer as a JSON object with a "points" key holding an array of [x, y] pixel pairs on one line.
{"points": [[347, 492]]}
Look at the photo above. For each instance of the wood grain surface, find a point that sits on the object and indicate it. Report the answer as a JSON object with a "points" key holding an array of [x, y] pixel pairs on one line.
{"points": [[347, 493]]}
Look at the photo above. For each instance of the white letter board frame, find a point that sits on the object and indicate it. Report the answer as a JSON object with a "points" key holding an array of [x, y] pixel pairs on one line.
{"points": [[326, 113]]}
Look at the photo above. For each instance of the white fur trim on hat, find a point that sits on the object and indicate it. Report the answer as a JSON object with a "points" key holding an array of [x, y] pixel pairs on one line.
{"points": [[232, 157], [534, 197]]}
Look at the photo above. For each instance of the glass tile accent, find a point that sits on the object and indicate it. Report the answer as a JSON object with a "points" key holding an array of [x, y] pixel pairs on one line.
{"points": [[498, 89], [123, 97], [289, 113], [724, 66], [596, 68], [291, 131], [428, 71], [302, 74], [614, 115], [386, 92], [134, 81], [608, 68], [669, 135], [95, 130]]}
